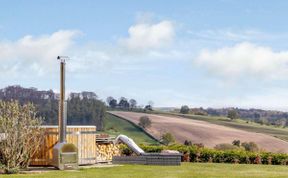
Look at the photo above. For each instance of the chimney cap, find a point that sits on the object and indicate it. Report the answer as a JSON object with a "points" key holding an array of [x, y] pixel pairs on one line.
{"points": [[62, 58]]}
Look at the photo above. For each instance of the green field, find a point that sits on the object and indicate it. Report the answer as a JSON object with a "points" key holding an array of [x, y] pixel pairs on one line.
{"points": [[114, 126], [186, 170]]}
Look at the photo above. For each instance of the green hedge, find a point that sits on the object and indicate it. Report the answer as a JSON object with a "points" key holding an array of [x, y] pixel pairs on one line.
{"points": [[218, 156]]}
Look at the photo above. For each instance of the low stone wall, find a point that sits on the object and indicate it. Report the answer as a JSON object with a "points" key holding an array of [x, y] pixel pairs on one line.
{"points": [[150, 159]]}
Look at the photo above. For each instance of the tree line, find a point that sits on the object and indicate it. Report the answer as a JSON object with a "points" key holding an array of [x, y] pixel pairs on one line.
{"points": [[264, 117], [84, 108], [127, 104]]}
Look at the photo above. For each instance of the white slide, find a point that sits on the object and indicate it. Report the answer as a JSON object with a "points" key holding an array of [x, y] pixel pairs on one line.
{"points": [[130, 143]]}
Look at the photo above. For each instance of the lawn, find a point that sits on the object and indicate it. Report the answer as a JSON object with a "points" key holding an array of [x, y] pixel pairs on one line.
{"points": [[186, 170], [114, 126]]}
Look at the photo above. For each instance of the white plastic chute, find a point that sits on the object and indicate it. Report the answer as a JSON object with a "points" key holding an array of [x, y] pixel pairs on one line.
{"points": [[130, 143]]}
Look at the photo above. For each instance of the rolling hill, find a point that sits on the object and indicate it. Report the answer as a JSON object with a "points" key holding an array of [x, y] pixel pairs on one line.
{"points": [[114, 126], [199, 131]]}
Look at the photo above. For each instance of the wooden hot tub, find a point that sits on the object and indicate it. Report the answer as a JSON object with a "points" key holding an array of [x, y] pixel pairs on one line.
{"points": [[83, 137]]}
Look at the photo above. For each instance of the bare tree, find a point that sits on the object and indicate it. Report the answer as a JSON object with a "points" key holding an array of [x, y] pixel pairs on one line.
{"points": [[133, 103], [21, 135], [109, 99], [144, 122], [151, 103]]}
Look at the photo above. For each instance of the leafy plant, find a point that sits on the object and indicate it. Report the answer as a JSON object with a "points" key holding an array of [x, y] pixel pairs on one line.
{"points": [[167, 138], [21, 135]]}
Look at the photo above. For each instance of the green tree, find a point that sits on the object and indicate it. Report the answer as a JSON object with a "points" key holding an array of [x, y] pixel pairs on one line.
{"points": [[113, 103], [123, 103], [86, 111], [232, 114], [109, 99], [148, 108], [167, 138], [184, 109]]}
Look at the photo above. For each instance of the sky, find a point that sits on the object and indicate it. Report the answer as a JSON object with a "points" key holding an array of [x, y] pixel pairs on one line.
{"points": [[210, 53]]}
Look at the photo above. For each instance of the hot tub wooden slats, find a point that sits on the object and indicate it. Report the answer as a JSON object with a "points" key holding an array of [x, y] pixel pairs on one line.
{"points": [[78, 135]]}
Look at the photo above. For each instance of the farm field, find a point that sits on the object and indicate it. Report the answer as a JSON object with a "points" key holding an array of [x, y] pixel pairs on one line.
{"points": [[281, 133], [186, 170], [274, 131], [114, 126], [208, 133]]}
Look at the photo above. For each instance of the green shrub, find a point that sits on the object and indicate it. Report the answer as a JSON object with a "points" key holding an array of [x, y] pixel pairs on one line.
{"points": [[125, 150], [250, 146], [152, 148], [226, 146], [236, 143], [279, 159], [167, 138], [187, 143], [204, 155], [22, 135], [180, 148]]}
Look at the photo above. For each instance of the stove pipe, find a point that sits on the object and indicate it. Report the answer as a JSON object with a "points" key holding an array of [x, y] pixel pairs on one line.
{"points": [[62, 113]]}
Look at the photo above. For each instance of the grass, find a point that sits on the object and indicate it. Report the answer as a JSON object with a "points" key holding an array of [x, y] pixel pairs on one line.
{"points": [[186, 170], [114, 126]]}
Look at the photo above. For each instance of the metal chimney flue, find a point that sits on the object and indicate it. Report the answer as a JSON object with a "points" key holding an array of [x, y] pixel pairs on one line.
{"points": [[62, 103], [65, 155]]}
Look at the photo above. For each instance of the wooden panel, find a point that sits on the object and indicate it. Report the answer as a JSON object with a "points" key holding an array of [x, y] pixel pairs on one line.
{"points": [[83, 137]]}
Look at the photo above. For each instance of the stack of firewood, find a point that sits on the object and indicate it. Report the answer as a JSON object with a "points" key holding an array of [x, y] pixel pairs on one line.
{"points": [[105, 151]]}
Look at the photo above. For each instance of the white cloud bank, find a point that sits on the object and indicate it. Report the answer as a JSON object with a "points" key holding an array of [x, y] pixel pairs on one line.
{"points": [[37, 54], [34, 55], [144, 36], [231, 35], [244, 59]]}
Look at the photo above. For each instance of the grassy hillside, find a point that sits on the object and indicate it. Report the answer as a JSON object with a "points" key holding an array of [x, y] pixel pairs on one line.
{"points": [[191, 170], [281, 133], [114, 126]]}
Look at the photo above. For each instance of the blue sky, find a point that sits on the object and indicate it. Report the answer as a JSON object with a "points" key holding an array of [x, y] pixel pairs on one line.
{"points": [[213, 53]]}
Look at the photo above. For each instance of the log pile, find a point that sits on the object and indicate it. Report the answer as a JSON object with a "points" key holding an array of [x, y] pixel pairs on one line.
{"points": [[105, 151]]}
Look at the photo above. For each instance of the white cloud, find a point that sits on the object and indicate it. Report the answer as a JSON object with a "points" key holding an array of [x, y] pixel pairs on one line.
{"points": [[270, 98], [144, 36], [244, 59], [230, 35], [35, 55], [88, 57]]}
